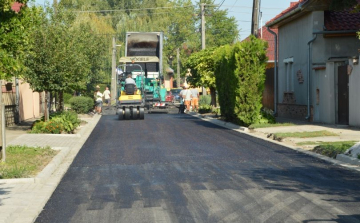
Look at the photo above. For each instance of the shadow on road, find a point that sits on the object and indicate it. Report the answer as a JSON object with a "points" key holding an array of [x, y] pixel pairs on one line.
{"points": [[340, 219]]}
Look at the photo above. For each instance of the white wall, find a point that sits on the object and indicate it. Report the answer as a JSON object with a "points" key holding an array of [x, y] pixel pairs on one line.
{"points": [[293, 39]]}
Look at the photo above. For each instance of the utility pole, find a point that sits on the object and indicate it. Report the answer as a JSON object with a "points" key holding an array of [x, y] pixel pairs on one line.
{"points": [[255, 18], [202, 6], [178, 67], [2, 122], [113, 72]]}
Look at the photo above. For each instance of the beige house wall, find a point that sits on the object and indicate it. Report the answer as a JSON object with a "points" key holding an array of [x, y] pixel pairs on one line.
{"points": [[29, 102]]}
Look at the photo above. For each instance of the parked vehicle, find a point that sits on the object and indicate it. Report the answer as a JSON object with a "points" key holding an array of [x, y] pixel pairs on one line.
{"points": [[169, 97], [176, 94]]}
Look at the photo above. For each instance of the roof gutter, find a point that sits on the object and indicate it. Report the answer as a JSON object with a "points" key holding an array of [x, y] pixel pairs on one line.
{"points": [[287, 15], [275, 71], [335, 32]]}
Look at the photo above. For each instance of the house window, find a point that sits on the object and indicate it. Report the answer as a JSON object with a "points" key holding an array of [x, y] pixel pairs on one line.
{"points": [[289, 74], [317, 96]]}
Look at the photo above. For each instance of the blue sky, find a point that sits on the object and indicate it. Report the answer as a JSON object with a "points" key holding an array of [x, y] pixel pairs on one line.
{"points": [[242, 11]]}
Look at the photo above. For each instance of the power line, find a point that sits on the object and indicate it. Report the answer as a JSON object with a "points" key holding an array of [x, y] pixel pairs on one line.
{"points": [[220, 5]]}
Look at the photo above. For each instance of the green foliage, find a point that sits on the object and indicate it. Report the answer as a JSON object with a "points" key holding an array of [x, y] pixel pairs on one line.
{"points": [[202, 68], [204, 100], [345, 4], [205, 109], [266, 116], [67, 97], [331, 149], [68, 120], [15, 39], [66, 55], [59, 122], [240, 77], [52, 127], [81, 105]]}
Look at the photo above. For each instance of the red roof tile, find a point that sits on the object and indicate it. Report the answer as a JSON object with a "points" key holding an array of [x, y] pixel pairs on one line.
{"points": [[16, 6], [293, 5], [341, 20], [268, 37]]}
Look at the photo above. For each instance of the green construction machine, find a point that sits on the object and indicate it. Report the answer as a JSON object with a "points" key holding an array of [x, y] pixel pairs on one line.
{"points": [[130, 103]]}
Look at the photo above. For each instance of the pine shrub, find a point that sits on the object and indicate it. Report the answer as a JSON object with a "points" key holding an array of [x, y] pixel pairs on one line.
{"points": [[240, 77]]}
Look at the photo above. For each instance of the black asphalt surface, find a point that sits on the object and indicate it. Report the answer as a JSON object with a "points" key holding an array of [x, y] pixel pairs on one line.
{"points": [[177, 168]]}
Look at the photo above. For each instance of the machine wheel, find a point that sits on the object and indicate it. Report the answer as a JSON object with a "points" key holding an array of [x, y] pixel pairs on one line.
{"points": [[134, 113], [127, 114], [141, 113], [120, 114]]}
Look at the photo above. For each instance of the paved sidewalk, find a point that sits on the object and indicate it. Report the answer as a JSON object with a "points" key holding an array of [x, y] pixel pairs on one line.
{"points": [[22, 200]]}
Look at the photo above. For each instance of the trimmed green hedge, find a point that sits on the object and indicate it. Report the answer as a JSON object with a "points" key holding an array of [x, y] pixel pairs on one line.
{"points": [[81, 105], [240, 78]]}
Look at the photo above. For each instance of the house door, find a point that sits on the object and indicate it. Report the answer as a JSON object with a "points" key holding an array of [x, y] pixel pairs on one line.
{"points": [[343, 95]]}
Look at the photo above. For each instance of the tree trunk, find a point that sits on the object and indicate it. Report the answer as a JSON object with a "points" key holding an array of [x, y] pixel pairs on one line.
{"points": [[61, 101], [46, 112], [213, 96]]}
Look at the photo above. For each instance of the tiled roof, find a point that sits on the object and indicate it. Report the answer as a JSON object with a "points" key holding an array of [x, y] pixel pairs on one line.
{"points": [[293, 5], [16, 6], [341, 20]]}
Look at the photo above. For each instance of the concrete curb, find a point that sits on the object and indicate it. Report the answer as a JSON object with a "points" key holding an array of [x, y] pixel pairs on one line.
{"points": [[348, 159], [53, 165], [345, 162], [228, 125]]}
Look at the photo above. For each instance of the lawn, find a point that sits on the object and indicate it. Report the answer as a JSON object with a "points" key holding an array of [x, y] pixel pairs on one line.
{"points": [[304, 134], [267, 125], [331, 149], [24, 161]]}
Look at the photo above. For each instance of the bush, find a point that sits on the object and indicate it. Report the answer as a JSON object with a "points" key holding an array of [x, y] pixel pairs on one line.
{"points": [[205, 100], [67, 97], [52, 127], [59, 122], [204, 109], [266, 116], [38, 127], [68, 120], [240, 77], [81, 105]]}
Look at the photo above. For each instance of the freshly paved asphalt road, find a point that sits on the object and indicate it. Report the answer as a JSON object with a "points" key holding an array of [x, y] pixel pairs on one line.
{"points": [[177, 168]]}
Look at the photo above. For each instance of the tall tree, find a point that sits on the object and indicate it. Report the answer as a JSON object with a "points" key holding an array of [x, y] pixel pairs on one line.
{"points": [[14, 36], [202, 71], [345, 4], [66, 56]]}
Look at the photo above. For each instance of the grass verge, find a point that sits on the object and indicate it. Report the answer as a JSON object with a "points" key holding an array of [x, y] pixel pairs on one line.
{"points": [[25, 161], [304, 134], [267, 125], [331, 149]]}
